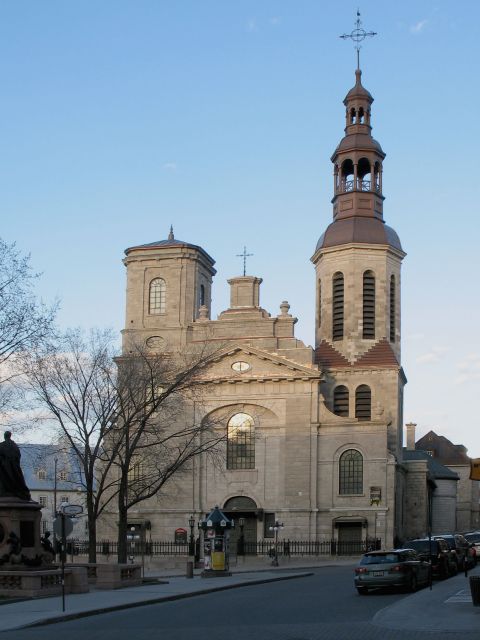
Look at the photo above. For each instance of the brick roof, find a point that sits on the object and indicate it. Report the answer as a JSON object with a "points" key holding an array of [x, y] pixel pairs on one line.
{"points": [[380, 355], [329, 358]]}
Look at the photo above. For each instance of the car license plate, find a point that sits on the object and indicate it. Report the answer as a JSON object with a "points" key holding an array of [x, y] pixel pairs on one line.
{"points": [[378, 573]]}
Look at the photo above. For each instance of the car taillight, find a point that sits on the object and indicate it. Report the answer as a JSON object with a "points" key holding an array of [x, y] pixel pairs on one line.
{"points": [[360, 570], [397, 568]]}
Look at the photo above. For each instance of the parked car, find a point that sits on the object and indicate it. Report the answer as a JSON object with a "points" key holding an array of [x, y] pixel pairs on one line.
{"points": [[436, 550], [459, 549], [473, 538], [396, 568]]}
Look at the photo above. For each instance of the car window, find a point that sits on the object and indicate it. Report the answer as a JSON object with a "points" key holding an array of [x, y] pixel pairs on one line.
{"points": [[421, 546], [379, 558], [473, 537]]}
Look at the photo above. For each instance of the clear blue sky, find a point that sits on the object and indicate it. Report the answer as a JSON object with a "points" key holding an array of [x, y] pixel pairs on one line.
{"points": [[121, 117]]}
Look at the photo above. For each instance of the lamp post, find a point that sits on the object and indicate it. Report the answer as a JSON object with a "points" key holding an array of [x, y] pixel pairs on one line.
{"points": [[241, 540], [278, 526], [191, 523]]}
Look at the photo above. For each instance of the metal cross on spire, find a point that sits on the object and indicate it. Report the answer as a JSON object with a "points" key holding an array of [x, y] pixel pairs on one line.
{"points": [[244, 255], [358, 35]]}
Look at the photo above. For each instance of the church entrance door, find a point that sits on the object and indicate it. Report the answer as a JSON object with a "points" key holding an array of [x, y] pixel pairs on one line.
{"points": [[349, 538], [244, 510]]}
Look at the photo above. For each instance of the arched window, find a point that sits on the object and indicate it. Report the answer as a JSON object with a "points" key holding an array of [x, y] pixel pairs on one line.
{"points": [[340, 401], [363, 402], [392, 309], [337, 306], [368, 305], [347, 175], [364, 175], [202, 295], [350, 479], [241, 442], [158, 296]]}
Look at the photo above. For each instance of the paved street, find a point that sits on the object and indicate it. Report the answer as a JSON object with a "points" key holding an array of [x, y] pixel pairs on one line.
{"points": [[323, 606]]}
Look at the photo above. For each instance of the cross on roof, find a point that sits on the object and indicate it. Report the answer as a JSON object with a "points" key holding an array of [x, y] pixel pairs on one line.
{"points": [[244, 255], [358, 35]]}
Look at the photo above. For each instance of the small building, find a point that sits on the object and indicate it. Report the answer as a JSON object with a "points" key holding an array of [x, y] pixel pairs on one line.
{"points": [[54, 476], [454, 456]]}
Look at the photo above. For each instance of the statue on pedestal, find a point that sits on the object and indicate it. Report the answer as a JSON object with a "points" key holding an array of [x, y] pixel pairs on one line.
{"points": [[12, 482]]}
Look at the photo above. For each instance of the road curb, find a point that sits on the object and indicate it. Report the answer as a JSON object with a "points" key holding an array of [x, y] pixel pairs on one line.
{"points": [[142, 603]]}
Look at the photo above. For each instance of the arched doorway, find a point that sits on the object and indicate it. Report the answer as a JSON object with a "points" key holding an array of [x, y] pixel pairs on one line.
{"points": [[245, 508]]}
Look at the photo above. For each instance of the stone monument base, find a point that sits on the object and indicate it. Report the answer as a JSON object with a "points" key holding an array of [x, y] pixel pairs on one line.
{"points": [[22, 519]]}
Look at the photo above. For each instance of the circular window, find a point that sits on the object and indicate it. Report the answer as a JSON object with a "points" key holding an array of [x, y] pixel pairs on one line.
{"points": [[240, 367]]}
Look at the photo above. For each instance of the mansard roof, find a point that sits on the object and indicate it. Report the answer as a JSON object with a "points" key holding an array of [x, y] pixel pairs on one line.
{"points": [[445, 451]]}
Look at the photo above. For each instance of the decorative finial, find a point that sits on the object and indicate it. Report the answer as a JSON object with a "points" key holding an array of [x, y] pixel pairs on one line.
{"points": [[170, 235], [358, 35], [244, 255], [284, 309]]}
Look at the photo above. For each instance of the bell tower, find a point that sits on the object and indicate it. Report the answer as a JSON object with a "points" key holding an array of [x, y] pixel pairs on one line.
{"points": [[358, 258]]}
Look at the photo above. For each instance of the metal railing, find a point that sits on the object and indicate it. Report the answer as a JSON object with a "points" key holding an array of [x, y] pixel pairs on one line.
{"points": [[266, 547]]}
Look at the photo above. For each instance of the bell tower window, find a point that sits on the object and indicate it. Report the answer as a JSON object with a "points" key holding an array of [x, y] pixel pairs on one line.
{"points": [[368, 305], [363, 175], [347, 175], [158, 296], [340, 401], [202, 295], [337, 306], [363, 403]]}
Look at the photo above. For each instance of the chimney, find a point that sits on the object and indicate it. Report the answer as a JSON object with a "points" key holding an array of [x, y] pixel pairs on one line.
{"points": [[411, 436]]}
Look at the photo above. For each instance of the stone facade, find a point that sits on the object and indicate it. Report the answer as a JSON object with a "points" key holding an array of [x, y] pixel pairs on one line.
{"points": [[327, 421]]}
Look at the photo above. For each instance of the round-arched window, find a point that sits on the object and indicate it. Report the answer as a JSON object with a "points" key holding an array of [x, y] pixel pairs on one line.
{"points": [[350, 479], [241, 442]]}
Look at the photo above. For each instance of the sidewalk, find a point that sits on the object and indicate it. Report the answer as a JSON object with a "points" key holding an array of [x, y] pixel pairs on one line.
{"points": [[448, 607]]}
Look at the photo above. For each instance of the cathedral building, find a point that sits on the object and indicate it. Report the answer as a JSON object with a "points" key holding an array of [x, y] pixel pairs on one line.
{"points": [[314, 435]]}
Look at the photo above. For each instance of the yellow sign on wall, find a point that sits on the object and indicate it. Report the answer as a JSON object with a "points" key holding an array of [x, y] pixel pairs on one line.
{"points": [[475, 469]]}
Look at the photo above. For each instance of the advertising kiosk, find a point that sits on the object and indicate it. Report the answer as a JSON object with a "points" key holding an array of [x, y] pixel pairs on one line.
{"points": [[216, 535]]}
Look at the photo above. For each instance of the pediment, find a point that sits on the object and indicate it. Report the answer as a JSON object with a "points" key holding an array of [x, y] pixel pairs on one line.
{"points": [[259, 365]]}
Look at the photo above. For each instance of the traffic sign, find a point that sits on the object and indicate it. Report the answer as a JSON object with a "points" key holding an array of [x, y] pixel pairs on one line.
{"points": [[71, 509], [57, 526]]}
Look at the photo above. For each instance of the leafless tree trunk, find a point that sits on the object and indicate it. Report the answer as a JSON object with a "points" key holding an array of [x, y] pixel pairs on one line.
{"points": [[73, 381], [158, 434]]}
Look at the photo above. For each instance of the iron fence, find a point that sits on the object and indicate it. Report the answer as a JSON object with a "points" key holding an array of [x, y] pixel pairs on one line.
{"points": [[259, 548]]}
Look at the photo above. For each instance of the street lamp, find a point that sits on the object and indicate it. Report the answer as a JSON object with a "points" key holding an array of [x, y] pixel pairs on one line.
{"points": [[241, 540], [191, 523], [278, 526]]}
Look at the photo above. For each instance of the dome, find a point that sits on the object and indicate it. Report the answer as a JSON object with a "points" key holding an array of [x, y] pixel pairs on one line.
{"points": [[360, 230], [358, 91], [359, 141], [171, 241]]}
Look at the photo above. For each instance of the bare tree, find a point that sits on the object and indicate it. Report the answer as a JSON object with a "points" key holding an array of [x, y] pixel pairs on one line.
{"points": [[160, 428], [131, 420], [24, 321], [73, 382]]}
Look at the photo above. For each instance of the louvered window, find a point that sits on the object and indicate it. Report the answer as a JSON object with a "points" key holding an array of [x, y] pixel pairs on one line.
{"points": [[368, 305], [338, 306], [340, 401], [363, 402], [351, 473], [158, 295], [392, 309]]}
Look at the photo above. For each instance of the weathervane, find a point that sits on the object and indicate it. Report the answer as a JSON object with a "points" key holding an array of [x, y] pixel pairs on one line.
{"points": [[358, 35], [244, 255]]}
